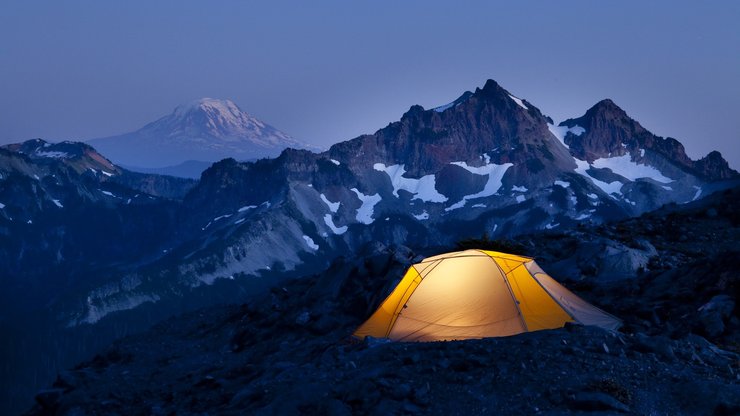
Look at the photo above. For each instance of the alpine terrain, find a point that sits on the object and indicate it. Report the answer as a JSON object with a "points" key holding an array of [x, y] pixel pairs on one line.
{"points": [[95, 252]]}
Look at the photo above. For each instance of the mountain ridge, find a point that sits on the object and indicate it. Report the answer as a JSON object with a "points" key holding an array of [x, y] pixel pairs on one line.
{"points": [[489, 162]]}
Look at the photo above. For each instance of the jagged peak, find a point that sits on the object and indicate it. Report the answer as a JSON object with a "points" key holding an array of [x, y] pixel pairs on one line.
{"points": [[714, 155], [606, 108], [490, 85], [714, 166], [604, 111]]}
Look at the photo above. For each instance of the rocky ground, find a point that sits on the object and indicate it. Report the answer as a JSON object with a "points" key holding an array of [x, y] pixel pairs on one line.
{"points": [[672, 276]]}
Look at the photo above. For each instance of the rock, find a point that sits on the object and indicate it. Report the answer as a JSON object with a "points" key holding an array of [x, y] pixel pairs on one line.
{"points": [[399, 391], [49, 399], [324, 325], [65, 380], [659, 345], [713, 314], [303, 318], [370, 341], [708, 397], [335, 407], [409, 407], [596, 401]]}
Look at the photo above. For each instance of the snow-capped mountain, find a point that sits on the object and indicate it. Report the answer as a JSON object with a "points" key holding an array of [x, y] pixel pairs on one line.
{"points": [[207, 129], [117, 247], [489, 162]]}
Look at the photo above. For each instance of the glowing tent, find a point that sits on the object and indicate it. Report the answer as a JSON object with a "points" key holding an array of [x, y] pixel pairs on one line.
{"points": [[476, 294]]}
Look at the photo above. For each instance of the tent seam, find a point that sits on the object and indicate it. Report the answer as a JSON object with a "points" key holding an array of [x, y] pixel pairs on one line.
{"points": [[394, 318], [511, 292], [534, 276]]}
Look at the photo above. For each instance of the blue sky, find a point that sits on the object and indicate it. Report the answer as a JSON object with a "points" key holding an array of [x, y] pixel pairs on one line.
{"points": [[328, 71]]}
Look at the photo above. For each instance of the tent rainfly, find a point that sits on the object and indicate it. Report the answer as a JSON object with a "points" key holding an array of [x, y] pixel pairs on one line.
{"points": [[476, 294]]}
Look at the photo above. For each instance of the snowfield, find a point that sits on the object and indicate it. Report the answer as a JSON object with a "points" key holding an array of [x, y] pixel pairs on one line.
{"points": [[422, 188], [333, 206], [518, 102], [330, 223], [310, 243], [624, 166], [365, 212]]}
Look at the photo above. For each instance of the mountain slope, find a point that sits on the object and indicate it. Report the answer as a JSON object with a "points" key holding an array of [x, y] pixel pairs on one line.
{"points": [[205, 130], [607, 131], [288, 351], [489, 162]]}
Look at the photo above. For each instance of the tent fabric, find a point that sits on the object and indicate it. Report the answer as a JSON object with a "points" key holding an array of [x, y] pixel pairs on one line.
{"points": [[477, 294]]}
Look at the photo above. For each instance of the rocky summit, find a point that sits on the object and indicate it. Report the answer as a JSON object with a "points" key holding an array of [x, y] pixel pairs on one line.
{"points": [[97, 252], [289, 351]]}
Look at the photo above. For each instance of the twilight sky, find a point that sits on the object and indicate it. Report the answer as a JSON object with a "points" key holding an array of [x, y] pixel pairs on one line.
{"points": [[326, 71]]}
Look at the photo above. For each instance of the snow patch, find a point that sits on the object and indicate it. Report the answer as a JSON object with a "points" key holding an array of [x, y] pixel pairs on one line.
{"points": [[442, 108], [334, 161], [53, 155], [577, 130], [365, 212], [333, 206], [494, 172], [2, 205], [330, 223], [624, 166], [519, 188], [610, 188], [220, 217], [562, 183], [423, 216], [108, 193], [310, 243], [520, 199], [108, 174], [479, 206], [457, 205], [550, 226], [582, 217], [422, 188], [246, 208], [697, 194], [667, 188], [57, 203], [237, 222], [561, 131], [642, 152], [592, 196], [518, 102]]}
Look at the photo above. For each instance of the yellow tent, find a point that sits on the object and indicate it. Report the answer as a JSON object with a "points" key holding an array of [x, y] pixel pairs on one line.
{"points": [[476, 294]]}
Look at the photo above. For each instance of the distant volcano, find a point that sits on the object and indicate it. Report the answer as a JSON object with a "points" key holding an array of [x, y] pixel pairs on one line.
{"points": [[205, 130]]}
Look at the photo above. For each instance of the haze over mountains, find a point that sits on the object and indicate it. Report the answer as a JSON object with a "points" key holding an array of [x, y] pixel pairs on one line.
{"points": [[205, 130], [100, 250]]}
